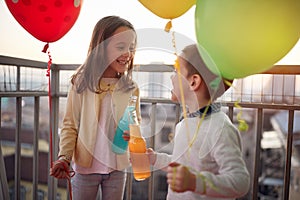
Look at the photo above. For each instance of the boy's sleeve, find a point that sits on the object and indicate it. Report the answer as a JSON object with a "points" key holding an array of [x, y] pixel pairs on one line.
{"points": [[232, 179], [162, 161]]}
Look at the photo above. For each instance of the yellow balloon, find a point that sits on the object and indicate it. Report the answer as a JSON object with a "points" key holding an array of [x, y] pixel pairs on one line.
{"points": [[168, 9]]}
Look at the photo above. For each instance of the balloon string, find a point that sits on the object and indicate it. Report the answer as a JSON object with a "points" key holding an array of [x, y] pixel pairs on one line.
{"points": [[177, 67], [48, 74], [242, 124]]}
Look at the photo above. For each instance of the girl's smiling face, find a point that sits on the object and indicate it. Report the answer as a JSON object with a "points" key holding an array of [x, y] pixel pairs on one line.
{"points": [[120, 50]]}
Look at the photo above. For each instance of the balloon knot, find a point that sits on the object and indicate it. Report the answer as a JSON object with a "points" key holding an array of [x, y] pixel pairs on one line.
{"points": [[45, 48], [168, 26]]}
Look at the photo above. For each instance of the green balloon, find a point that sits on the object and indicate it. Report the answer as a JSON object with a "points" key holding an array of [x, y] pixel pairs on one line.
{"points": [[238, 38]]}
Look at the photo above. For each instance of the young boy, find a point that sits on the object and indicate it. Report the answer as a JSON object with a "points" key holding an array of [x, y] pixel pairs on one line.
{"points": [[207, 160]]}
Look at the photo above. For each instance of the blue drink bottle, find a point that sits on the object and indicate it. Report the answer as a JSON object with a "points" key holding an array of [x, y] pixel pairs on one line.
{"points": [[119, 145]]}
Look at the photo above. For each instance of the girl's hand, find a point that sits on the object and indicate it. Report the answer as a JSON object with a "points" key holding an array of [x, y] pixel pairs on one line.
{"points": [[180, 178], [126, 135], [151, 155], [60, 169]]}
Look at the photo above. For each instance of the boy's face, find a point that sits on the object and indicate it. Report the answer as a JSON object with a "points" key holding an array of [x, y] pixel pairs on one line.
{"points": [[182, 74]]}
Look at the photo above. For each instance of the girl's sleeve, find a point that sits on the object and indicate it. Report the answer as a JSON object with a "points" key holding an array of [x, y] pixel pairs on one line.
{"points": [[232, 179], [69, 131]]}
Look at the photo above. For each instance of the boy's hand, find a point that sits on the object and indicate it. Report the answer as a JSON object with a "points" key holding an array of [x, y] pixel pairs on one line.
{"points": [[151, 155], [180, 178]]}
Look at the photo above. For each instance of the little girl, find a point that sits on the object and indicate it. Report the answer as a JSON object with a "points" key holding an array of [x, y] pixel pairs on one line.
{"points": [[98, 96]]}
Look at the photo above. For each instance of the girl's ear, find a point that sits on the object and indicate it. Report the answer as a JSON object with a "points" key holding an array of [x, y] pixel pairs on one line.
{"points": [[195, 82]]}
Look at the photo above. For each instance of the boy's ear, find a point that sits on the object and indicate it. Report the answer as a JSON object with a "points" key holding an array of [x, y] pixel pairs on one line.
{"points": [[195, 82]]}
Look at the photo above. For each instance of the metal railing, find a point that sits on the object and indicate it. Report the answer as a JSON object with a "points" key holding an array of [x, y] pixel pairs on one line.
{"points": [[18, 93]]}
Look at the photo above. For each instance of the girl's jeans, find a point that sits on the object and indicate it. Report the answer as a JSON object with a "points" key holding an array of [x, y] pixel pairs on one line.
{"points": [[85, 186]]}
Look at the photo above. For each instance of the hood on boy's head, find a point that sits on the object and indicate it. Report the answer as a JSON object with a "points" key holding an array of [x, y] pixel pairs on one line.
{"points": [[191, 54]]}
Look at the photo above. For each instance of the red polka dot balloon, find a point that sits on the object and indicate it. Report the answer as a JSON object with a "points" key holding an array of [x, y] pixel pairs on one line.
{"points": [[46, 20]]}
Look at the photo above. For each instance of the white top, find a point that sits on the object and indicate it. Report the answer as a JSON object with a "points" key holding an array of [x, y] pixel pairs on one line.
{"points": [[104, 160], [215, 154]]}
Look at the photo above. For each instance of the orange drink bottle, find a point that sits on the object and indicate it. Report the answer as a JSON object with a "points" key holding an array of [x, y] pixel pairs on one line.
{"points": [[139, 159]]}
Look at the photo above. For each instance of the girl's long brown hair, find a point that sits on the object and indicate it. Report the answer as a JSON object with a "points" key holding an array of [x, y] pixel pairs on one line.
{"points": [[89, 74]]}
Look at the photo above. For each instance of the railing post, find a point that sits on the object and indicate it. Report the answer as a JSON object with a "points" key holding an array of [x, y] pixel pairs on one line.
{"points": [[54, 117], [287, 169], [152, 145], [35, 178], [18, 148], [3, 180], [259, 129], [17, 139], [128, 186]]}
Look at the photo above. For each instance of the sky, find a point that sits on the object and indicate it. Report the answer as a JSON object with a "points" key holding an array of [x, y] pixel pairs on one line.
{"points": [[72, 47]]}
